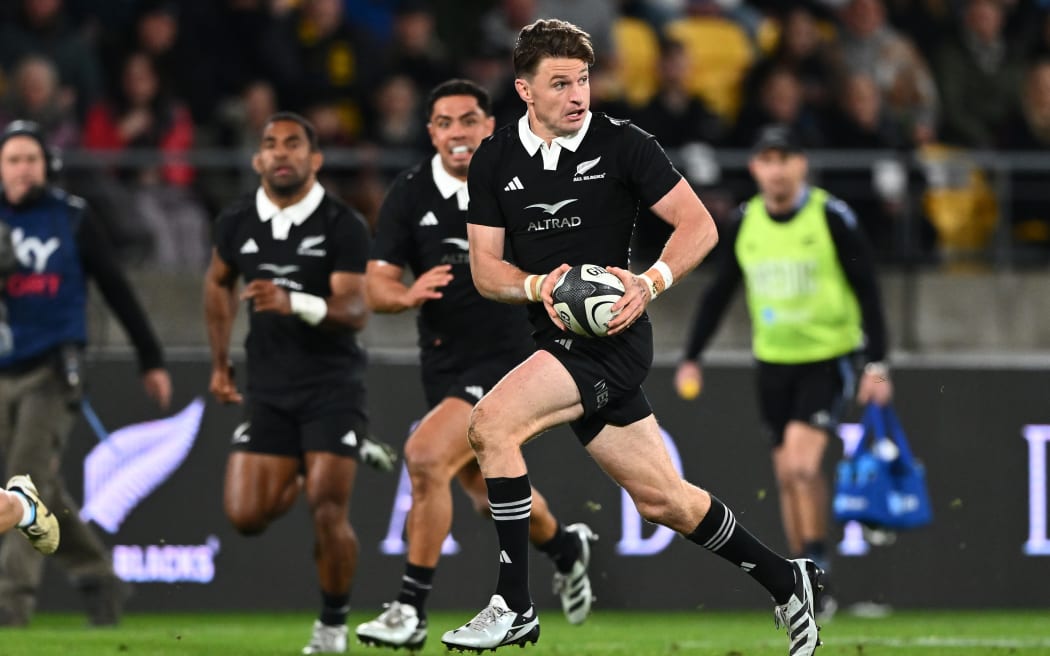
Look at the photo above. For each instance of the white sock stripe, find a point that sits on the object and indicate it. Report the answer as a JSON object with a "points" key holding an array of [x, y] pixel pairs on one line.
{"points": [[506, 518], [728, 533], [714, 538], [511, 504], [725, 531], [418, 584]]}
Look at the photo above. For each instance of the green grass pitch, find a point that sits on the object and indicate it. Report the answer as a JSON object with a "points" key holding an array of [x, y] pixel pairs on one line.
{"points": [[650, 633]]}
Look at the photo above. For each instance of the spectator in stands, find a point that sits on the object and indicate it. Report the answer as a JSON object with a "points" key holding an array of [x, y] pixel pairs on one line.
{"points": [[779, 101], [1040, 45], [802, 50], [142, 115], [34, 95], [1028, 129], [924, 22], [252, 44], [336, 65], [42, 29], [979, 74], [167, 31], [396, 115], [595, 17], [491, 68], [859, 122], [871, 46], [416, 51], [674, 116], [501, 24]]}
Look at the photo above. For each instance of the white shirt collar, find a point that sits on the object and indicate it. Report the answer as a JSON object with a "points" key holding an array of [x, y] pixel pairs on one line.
{"points": [[532, 142], [448, 184], [284, 219]]}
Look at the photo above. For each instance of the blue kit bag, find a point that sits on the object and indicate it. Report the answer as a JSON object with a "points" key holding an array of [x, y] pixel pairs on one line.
{"points": [[879, 485]]}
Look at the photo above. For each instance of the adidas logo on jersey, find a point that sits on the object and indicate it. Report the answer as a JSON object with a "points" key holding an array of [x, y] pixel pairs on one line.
{"points": [[504, 557], [350, 439], [428, 220], [514, 185], [250, 246], [565, 343], [477, 391]]}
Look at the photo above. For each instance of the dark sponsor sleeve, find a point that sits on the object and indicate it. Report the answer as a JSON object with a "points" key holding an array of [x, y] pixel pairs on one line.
{"points": [[352, 242], [481, 183], [99, 262], [717, 296], [223, 233], [393, 239], [858, 263]]}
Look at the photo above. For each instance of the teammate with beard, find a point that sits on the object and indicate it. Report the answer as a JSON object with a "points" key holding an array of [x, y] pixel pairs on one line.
{"points": [[468, 343], [302, 254]]}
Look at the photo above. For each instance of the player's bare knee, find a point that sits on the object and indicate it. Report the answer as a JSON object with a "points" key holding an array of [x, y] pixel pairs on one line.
{"points": [[477, 433], [247, 521], [426, 467], [328, 515]]}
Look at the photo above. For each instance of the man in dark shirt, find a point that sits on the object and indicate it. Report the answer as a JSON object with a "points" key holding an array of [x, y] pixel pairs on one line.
{"points": [[561, 187], [813, 297], [302, 254], [468, 343], [59, 246]]}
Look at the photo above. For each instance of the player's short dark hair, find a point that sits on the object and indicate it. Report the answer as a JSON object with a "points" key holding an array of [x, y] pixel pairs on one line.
{"points": [[459, 87], [550, 38], [307, 126]]}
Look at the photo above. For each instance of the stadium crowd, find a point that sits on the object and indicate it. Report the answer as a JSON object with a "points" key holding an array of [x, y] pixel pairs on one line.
{"points": [[934, 84]]}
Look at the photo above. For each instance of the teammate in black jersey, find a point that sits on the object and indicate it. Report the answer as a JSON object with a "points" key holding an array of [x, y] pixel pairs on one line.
{"points": [[302, 254], [468, 343], [815, 307], [562, 187]]}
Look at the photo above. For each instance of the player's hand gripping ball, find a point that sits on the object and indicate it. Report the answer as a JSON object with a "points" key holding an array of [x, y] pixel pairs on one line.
{"points": [[583, 298]]}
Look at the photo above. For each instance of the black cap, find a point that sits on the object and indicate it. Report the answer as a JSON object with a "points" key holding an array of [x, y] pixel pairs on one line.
{"points": [[776, 137]]}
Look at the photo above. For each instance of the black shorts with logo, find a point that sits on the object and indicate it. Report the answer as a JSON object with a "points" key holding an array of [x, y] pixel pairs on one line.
{"points": [[608, 371], [464, 375], [331, 419], [816, 393]]}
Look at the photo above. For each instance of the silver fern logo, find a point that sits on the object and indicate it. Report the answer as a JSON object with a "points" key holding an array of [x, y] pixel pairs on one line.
{"points": [[125, 467]]}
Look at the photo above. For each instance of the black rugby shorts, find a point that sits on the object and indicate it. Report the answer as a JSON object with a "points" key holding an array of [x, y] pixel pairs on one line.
{"points": [[816, 393], [466, 376], [609, 372], [331, 419]]}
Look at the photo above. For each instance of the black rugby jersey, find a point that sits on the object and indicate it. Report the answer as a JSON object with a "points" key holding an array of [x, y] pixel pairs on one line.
{"points": [[284, 352], [421, 227], [581, 211]]}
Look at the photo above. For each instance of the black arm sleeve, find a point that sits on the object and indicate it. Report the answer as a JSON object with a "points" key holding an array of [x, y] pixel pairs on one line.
{"points": [[99, 262], [716, 298], [858, 263]]}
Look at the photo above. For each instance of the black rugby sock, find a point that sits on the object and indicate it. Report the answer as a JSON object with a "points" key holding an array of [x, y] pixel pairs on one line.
{"points": [[563, 549], [415, 586], [334, 608], [510, 500], [719, 533]]}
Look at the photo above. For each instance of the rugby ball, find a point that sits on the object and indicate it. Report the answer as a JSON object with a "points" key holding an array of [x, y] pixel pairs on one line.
{"points": [[583, 298]]}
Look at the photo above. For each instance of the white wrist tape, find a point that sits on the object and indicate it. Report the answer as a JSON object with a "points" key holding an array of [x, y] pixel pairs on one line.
{"points": [[311, 309], [533, 285], [665, 273]]}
